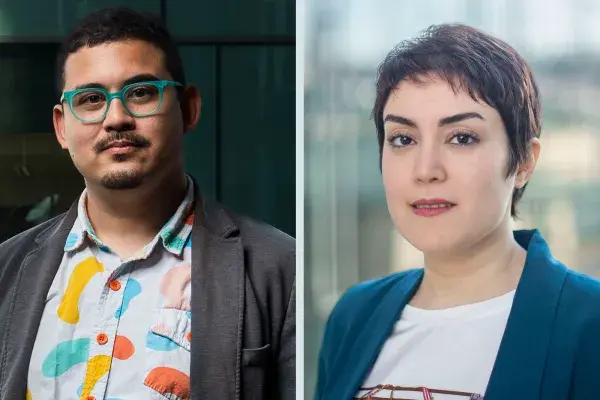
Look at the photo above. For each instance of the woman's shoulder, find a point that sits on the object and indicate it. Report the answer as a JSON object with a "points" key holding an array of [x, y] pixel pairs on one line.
{"points": [[581, 294], [366, 295]]}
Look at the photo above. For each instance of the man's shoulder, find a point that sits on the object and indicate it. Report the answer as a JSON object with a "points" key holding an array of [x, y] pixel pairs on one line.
{"points": [[259, 239], [269, 253], [261, 235], [26, 239]]}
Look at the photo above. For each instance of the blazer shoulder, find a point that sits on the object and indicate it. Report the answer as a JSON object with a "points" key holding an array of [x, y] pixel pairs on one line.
{"points": [[270, 254], [14, 250], [366, 295], [582, 290], [259, 233], [582, 297], [26, 239], [263, 240]]}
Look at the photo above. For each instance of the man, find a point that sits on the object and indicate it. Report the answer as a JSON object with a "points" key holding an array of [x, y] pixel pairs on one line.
{"points": [[143, 283]]}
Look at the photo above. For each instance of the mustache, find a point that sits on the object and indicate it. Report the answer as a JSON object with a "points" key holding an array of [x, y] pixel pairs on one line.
{"points": [[115, 136]]}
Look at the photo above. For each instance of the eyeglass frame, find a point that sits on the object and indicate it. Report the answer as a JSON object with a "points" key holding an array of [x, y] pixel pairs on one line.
{"points": [[161, 84]]}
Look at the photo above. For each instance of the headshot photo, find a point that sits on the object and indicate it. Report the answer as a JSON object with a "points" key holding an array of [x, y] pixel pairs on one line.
{"points": [[147, 214], [451, 247]]}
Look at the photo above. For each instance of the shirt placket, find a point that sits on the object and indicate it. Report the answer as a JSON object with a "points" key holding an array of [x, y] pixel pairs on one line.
{"points": [[106, 343]]}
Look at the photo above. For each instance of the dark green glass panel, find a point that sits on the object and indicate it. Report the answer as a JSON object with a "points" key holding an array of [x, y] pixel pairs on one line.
{"points": [[232, 17], [258, 136], [52, 18], [199, 144]]}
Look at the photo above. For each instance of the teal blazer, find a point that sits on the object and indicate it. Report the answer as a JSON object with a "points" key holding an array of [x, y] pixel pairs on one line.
{"points": [[550, 349]]}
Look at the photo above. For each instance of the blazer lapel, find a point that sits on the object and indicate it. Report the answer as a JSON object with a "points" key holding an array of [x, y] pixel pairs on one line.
{"points": [[352, 367], [35, 277], [521, 358], [217, 305]]}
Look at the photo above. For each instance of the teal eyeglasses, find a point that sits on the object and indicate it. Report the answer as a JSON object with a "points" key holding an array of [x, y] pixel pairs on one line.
{"points": [[139, 99]]}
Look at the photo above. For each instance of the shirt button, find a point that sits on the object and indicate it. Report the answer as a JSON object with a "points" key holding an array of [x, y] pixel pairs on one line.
{"points": [[115, 285], [102, 338]]}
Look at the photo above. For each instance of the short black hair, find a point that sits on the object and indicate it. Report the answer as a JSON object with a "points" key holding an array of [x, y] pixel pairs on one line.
{"points": [[120, 24], [485, 67]]}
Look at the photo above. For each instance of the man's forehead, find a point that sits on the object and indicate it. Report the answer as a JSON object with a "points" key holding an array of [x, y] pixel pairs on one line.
{"points": [[113, 63]]}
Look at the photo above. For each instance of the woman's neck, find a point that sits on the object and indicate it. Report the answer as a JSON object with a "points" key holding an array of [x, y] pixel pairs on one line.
{"points": [[489, 268]]}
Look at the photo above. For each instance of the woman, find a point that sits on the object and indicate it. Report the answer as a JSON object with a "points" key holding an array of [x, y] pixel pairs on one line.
{"points": [[491, 315]]}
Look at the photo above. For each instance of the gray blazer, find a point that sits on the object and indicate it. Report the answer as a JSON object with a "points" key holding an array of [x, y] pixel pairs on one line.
{"points": [[243, 302]]}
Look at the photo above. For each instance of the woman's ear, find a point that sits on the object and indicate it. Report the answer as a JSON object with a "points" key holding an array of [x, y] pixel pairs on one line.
{"points": [[526, 169]]}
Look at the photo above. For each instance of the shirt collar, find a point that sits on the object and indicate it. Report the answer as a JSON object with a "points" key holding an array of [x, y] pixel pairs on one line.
{"points": [[174, 234]]}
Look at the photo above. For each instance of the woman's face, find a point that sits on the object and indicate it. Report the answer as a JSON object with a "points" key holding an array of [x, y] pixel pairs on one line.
{"points": [[440, 144]]}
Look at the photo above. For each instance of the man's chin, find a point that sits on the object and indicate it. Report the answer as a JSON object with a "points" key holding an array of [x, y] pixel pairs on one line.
{"points": [[122, 180]]}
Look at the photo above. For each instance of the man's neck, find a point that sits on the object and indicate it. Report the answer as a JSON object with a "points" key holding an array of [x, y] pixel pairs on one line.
{"points": [[488, 269], [127, 220]]}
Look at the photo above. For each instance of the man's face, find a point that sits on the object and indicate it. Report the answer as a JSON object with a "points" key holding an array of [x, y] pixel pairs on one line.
{"points": [[121, 151], [441, 144]]}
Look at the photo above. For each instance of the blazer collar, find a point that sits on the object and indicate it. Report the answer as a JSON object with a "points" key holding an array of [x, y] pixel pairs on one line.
{"points": [[524, 347]]}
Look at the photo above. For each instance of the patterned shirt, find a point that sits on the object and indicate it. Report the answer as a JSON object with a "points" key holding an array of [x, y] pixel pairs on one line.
{"points": [[114, 329]]}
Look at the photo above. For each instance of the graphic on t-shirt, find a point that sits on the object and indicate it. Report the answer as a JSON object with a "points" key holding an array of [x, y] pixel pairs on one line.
{"points": [[68, 311], [389, 392]]}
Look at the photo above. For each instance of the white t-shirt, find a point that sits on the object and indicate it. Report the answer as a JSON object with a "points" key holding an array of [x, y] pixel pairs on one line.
{"points": [[450, 350]]}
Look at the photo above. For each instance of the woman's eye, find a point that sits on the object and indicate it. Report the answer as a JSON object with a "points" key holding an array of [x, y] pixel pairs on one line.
{"points": [[463, 139], [400, 141]]}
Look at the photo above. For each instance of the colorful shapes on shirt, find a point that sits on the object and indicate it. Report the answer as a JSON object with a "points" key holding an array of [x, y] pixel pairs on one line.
{"points": [[68, 311], [190, 219], [72, 240], [81, 390], [123, 348], [97, 367], [188, 244], [28, 395], [64, 356], [159, 342], [132, 289], [173, 287], [169, 382]]}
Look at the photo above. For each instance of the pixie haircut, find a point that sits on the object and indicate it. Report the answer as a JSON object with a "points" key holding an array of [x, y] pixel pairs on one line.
{"points": [[120, 24], [483, 66]]}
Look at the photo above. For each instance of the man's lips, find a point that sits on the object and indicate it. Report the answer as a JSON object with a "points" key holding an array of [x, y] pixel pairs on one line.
{"points": [[120, 144]]}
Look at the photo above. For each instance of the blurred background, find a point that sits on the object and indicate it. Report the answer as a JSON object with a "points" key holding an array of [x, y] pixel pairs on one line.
{"points": [[241, 55], [349, 235]]}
